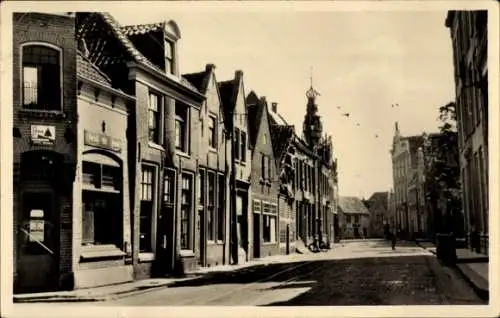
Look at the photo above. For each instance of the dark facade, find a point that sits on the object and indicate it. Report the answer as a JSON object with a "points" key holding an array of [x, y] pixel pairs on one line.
{"points": [[44, 114], [240, 222], [469, 37], [264, 181], [211, 233], [378, 206]]}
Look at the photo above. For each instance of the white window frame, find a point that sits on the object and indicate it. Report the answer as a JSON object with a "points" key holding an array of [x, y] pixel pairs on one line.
{"points": [[191, 233], [214, 134], [185, 149], [61, 74]]}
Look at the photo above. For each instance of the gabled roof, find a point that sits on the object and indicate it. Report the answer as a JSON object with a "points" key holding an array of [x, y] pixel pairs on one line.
{"points": [[382, 197], [352, 205], [87, 69], [281, 136], [92, 21], [227, 91], [197, 80]]}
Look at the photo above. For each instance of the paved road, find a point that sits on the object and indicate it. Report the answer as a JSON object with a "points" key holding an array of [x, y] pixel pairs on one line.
{"points": [[358, 273]]}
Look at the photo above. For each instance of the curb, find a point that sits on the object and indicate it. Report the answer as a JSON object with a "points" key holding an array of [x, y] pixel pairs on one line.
{"points": [[482, 293]]}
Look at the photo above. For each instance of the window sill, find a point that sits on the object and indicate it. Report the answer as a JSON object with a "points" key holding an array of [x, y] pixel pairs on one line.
{"points": [[39, 113], [182, 154], [186, 253], [101, 251], [156, 146], [212, 149], [146, 257], [269, 243]]}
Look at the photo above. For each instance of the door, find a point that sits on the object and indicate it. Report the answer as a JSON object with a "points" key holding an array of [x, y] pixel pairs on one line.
{"points": [[256, 235], [38, 238], [356, 232]]}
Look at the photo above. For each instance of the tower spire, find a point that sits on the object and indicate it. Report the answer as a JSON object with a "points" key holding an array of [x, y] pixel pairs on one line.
{"points": [[311, 93]]}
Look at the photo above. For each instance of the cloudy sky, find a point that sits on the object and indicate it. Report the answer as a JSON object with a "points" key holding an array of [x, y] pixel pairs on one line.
{"points": [[362, 62]]}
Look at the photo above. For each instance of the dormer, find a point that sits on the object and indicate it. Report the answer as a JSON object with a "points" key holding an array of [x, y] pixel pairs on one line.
{"points": [[158, 43]]}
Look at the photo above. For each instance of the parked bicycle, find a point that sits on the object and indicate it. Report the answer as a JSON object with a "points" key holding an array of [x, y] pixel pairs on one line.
{"points": [[318, 246]]}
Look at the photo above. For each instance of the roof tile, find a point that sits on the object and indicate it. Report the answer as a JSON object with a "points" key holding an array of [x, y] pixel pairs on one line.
{"points": [[352, 205]]}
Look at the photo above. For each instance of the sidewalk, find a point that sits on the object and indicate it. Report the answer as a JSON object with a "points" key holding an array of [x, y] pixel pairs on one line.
{"points": [[110, 292], [473, 267]]}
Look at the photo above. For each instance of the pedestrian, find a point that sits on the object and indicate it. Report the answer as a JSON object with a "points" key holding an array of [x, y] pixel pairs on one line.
{"points": [[393, 240]]}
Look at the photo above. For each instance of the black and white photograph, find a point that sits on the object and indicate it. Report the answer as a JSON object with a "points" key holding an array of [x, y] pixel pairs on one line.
{"points": [[246, 159]]}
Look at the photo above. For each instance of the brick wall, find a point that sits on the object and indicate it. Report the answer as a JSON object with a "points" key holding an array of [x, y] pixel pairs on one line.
{"points": [[58, 31]]}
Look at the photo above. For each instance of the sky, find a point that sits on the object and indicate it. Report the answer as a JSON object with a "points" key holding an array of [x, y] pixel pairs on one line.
{"points": [[362, 62]]}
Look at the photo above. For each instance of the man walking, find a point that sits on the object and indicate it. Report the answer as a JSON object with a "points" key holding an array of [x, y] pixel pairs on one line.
{"points": [[393, 240]]}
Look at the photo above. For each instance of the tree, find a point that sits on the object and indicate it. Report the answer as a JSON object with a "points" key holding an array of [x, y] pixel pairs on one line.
{"points": [[442, 174]]}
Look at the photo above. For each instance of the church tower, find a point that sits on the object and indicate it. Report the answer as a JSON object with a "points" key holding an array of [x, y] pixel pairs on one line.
{"points": [[313, 128]]}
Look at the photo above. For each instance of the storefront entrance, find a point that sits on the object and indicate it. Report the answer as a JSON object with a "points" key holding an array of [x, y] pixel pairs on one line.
{"points": [[38, 238]]}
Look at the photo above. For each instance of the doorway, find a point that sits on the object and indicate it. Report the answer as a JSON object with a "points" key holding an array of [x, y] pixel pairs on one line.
{"points": [[256, 235], [38, 243]]}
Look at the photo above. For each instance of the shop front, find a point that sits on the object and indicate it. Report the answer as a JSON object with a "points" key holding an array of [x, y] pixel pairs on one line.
{"points": [[101, 215]]}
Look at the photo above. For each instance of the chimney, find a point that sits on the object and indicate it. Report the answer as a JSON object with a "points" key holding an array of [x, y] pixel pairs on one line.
{"points": [[238, 74], [209, 67], [274, 107]]}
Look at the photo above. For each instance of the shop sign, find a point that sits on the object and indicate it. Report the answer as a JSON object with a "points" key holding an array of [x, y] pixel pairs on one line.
{"points": [[36, 226], [102, 141], [43, 135]]}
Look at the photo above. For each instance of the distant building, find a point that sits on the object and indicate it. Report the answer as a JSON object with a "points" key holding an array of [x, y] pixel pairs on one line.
{"points": [[378, 206], [354, 218], [469, 37], [404, 154]]}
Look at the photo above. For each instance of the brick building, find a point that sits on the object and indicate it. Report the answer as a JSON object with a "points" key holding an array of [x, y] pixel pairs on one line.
{"points": [[264, 181], [469, 37], [45, 149], [212, 235]]}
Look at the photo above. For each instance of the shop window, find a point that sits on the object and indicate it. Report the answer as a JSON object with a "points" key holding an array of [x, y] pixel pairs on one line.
{"points": [[41, 77], [186, 211], [211, 207], [147, 209], [181, 127], [154, 117], [269, 228], [221, 208], [212, 132], [102, 218]]}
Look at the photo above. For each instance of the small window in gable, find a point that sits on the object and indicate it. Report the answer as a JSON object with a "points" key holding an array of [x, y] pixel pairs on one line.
{"points": [[169, 57]]}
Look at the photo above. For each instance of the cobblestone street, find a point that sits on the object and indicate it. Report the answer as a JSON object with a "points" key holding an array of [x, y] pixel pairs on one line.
{"points": [[359, 273]]}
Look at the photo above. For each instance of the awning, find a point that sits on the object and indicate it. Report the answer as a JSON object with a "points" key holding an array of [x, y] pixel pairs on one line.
{"points": [[100, 159]]}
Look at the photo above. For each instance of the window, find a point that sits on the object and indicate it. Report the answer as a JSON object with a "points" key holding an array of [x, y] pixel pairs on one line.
{"points": [[41, 78], [101, 211], [186, 211], [212, 132], [243, 146], [154, 118], [348, 218], [169, 57], [181, 127], [201, 189], [211, 207], [263, 166], [221, 208], [269, 167], [269, 228], [356, 219], [147, 206], [237, 144], [168, 187]]}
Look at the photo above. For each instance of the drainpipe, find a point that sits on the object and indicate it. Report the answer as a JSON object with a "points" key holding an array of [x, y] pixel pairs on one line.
{"points": [[233, 215]]}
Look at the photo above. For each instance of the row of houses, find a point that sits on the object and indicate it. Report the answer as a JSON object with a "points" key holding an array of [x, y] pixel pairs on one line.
{"points": [[125, 169]]}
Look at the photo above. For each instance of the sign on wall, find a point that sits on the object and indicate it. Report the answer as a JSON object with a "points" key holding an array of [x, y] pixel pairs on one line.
{"points": [[43, 135], [102, 141], [36, 226]]}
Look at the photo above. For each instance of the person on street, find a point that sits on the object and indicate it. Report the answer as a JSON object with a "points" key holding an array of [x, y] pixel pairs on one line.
{"points": [[393, 240]]}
